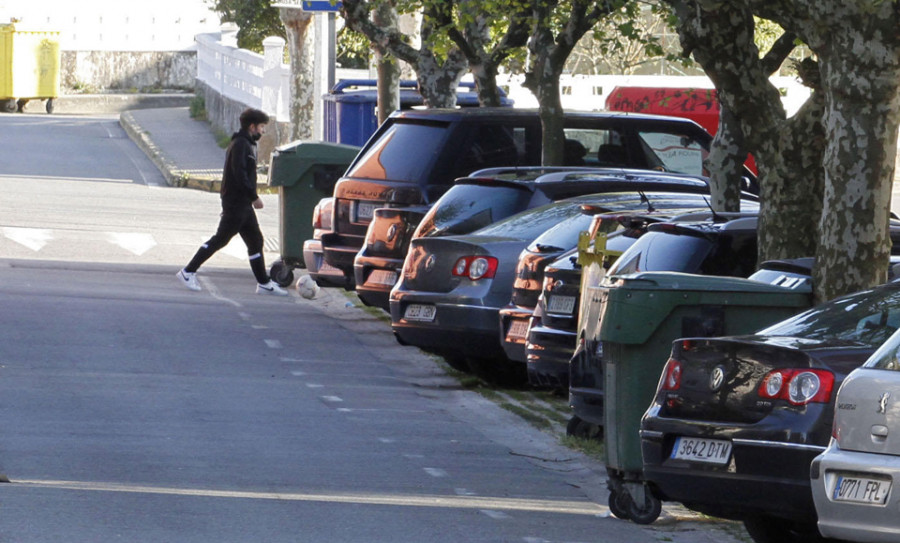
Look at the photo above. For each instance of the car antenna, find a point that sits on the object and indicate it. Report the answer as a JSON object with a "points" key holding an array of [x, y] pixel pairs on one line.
{"points": [[645, 200], [715, 216]]}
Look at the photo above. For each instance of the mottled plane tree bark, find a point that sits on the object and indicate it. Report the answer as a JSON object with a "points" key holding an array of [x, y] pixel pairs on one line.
{"points": [[438, 75], [857, 43], [788, 152], [301, 48]]}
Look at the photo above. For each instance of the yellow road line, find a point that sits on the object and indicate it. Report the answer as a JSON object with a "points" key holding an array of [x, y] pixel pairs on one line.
{"points": [[453, 502]]}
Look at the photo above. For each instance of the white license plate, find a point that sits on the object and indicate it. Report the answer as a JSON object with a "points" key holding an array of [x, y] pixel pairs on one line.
{"points": [[382, 277], [326, 267], [712, 451], [419, 312], [365, 210], [561, 304], [518, 330], [851, 488]]}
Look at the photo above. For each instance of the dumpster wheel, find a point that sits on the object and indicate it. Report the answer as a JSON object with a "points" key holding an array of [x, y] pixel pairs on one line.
{"points": [[646, 512], [620, 504], [51, 105], [281, 274], [9, 106]]}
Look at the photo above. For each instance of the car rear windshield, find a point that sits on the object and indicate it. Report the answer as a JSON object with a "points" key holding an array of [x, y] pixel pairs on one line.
{"points": [[466, 208], [661, 251], [530, 224], [404, 152], [867, 317]]}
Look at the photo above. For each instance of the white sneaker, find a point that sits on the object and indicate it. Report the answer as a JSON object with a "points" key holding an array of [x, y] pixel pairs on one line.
{"points": [[188, 279], [271, 288]]}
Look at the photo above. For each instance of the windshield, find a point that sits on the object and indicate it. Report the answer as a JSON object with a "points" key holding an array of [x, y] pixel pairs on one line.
{"points": [[867, 317], [401, 154], [466, 208]]}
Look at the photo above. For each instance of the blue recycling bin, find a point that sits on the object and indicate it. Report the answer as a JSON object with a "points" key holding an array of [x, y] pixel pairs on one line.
{"points": [[351, 114]]}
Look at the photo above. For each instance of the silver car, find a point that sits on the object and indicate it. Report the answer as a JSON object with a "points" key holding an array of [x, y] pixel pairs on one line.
{"points": [[853, 481]]}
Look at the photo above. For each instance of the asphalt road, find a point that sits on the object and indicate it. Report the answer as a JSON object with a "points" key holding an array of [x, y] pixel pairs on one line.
{"points": [[132, 409]]}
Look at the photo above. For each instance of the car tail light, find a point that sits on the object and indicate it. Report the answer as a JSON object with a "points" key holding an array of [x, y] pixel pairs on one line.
{"points": [[672, 375], [476, 267], [797, 386]]}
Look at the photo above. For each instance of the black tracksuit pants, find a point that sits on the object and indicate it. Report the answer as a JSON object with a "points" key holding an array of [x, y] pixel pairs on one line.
{"points": [[235, 220]]}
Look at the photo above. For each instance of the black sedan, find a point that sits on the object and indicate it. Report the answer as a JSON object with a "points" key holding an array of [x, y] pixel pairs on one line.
{"points": [[736, 421]]}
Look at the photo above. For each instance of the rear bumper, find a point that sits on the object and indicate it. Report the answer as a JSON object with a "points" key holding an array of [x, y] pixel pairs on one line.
{"points": [[468, 330], [761, 477], [855, 522], [548, 352], [324, 274], [369, 274], [340, 250], [514, 343]]}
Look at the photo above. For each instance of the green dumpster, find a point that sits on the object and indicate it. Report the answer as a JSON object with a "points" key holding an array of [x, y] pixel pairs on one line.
{"points": [[304, 172], [641, 315], [29, 66]]}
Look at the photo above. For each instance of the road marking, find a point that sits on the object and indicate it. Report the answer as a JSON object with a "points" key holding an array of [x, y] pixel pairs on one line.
{"points": [[496, 515], [435, 472], [570, 507], [33, 238], [314, 385], [136, 243], [333, 399], [298, 373], [214, 292], [464, 492], [273, 343], [386, 440]]}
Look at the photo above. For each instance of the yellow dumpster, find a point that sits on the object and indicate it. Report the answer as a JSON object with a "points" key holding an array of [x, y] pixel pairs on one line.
{"points": [[29, 67]]}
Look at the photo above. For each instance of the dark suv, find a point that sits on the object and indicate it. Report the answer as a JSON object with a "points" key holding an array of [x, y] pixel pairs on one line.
{"points": [[415, 156]]}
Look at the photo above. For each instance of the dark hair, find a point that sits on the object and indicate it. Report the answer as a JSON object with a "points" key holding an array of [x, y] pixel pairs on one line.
{"points": [[253, 116]]}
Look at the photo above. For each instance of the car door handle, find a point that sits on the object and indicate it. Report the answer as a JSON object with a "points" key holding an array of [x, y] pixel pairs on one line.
{"points": [[879, 431]]}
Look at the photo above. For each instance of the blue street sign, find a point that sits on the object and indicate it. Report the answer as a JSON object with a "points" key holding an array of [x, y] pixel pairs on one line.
{"points": [[320, 5]]}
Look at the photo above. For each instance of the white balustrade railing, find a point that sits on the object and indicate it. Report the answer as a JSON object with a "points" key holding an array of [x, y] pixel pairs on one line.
{"points": [[258, 81]]}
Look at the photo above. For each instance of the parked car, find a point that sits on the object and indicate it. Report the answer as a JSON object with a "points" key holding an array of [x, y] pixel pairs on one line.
{"points": [[414, 157], [323, 273], [451, 289], [736, 421], [853, 480], [516, 316], [477, 201], [705, 244], [551, 337]]}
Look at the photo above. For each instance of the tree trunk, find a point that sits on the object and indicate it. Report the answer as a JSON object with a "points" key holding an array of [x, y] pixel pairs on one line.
{"points": [[301, 48], [388, 68], [725, 162], [861, 124]]}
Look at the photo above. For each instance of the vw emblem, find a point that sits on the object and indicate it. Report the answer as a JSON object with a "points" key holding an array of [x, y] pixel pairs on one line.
{"points": [[882, 403], [716, 378], [392, 232], [429, 263]]}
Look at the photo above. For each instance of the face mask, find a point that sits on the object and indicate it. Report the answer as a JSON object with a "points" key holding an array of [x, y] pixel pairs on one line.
{"points": [[255, 137]]}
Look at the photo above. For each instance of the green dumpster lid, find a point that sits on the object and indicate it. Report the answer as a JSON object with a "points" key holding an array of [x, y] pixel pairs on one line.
{"points": [[690, 282], [320, 150]]}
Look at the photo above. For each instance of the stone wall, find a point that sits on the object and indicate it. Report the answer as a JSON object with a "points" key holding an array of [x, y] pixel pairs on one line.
{"points": [[127, 70], [224, 113]]}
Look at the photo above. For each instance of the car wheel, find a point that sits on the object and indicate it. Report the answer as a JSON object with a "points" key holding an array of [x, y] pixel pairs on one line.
{"points": [[619, 504], [768, 529], [578, 427], [281, 274]]}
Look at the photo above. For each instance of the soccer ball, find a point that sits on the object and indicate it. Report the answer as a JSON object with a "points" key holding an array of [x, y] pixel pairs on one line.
{"points": [[307, 287]]}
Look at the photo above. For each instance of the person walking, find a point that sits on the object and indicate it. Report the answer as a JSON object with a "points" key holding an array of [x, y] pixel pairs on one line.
{"points": [[239, 202]]}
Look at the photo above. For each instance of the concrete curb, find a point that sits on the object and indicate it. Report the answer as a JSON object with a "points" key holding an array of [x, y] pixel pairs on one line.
{"points": [[92, 104], [174, 177]]}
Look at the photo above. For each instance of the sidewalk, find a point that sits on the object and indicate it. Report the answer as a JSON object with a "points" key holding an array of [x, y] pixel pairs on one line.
{"points": [[184, 149]]}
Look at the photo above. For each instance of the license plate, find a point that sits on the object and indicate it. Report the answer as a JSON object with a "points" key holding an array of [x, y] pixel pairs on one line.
{"points": [[518, 330], [382, 277], [712, 451], [419, 312], [851, 488], [365, 210], [326, 267], [561, 304]]}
